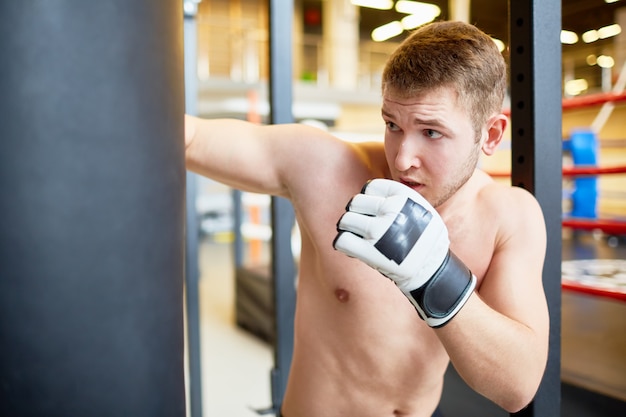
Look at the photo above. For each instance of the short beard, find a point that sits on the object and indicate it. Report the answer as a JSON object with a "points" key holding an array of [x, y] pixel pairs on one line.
{"points": [[468, 169]]}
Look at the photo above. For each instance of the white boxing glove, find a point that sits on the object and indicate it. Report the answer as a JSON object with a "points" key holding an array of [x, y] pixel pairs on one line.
{"points": [[393, 229]]}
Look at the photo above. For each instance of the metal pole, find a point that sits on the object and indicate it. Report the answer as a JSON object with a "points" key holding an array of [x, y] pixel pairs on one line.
{"points": [[283, 266], [238, 249], [192, 269], [537, 156], [92, 211]]}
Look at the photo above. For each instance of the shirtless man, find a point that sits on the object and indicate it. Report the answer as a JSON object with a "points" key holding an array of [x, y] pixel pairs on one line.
{"points": [[361, 348]]}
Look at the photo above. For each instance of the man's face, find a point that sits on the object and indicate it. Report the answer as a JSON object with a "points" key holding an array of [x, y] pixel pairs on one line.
{"points": [[430, 143]]}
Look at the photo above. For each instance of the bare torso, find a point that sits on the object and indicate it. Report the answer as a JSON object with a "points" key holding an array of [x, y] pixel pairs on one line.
{"points": [[360, 348]]}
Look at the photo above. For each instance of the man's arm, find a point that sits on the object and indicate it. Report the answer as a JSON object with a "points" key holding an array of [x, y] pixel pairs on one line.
{"points": [[285, 160], [499, 341], [239, 154]]}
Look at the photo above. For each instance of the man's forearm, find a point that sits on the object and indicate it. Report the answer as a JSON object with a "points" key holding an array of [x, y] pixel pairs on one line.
{"points": [[498, 357]]}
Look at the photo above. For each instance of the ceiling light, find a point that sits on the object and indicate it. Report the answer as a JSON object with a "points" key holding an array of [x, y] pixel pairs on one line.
{"points": [[416, 7], [414, 20], [590, 36], [608, 31], [575, 87], [384, 32], [611, 1], [499, 44], [602, 33], [606, 61], [568, 37], [592, 60], [374, 4]]}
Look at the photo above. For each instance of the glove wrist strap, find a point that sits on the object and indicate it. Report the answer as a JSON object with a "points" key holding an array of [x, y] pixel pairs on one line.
{"points": [[438, 301]]}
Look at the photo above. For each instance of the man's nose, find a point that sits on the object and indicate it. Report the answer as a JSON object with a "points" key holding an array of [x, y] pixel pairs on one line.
{"points": [[408, 156]]}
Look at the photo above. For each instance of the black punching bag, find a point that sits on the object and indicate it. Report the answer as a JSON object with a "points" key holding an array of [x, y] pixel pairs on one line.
{"points": [[92, 183]]}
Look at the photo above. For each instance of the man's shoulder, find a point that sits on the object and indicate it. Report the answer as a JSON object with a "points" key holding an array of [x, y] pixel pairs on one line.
{"points": [[330, 168], [510, 222], [374, 154], [507, 207], [515, 212], [499, 194], [350, 158]]}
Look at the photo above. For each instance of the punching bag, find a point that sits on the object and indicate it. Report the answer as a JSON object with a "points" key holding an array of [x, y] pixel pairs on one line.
{"points": [[92, 183]]}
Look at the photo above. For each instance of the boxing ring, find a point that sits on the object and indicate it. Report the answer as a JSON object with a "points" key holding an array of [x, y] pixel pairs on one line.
{"points": [[596, 277]]}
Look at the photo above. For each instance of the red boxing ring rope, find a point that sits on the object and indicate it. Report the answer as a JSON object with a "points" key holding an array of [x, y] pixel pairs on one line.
{"points": [[593, 100], [587, 101], [587, 289], [610, 227], [579, 171], [575, 171]]}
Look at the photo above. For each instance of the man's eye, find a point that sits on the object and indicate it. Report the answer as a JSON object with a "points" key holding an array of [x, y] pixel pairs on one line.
{"points": [[433, 134], [392, 126]]}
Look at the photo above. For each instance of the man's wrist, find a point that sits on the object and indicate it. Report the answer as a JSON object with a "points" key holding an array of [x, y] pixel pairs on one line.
{"points": [[441, 298]]}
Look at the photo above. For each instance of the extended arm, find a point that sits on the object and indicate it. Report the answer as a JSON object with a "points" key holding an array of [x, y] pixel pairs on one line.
{"points": [[283, 160], [237, 153]]}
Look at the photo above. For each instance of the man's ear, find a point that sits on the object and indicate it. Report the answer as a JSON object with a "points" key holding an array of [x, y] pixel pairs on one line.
{"points": [[495, 130]]}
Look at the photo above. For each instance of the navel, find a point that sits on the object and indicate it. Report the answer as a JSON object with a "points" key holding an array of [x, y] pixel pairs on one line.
{"points": [[342, 295]]}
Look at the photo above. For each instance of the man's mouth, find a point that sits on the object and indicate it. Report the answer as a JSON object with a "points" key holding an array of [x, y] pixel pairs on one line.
{"points": [[410, 183]]}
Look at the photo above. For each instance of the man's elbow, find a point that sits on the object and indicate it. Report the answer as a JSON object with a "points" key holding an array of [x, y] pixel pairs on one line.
{"points": [[523, 392], [514, 405], [520, 397]]}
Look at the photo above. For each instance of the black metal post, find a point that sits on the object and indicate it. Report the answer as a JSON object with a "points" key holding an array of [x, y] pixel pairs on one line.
{"points": [[535, 27], [92, 210], [283, 267]]}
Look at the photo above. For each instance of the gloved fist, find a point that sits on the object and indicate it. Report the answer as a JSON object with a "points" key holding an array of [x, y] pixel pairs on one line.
{"points": [[393, 229]]}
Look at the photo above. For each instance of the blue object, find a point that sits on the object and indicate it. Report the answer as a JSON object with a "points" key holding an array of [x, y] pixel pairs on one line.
{"points": [[583, 146]]}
